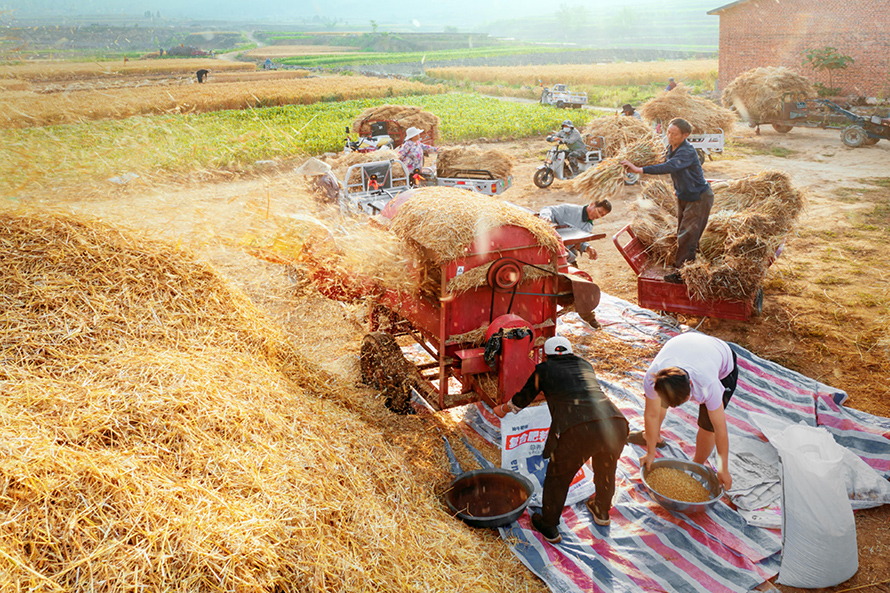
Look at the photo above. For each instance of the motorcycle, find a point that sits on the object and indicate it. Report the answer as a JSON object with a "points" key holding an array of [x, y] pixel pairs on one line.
{"points": [[556, 167]]}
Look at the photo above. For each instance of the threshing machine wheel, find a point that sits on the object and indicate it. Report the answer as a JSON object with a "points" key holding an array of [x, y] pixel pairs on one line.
{"points": [[544, 177], [854, 136], [782, 128], [631, 178]]}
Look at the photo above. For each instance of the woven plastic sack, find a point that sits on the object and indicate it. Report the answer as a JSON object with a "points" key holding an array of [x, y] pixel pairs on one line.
{"points": [[818, 529], [522, 442]]}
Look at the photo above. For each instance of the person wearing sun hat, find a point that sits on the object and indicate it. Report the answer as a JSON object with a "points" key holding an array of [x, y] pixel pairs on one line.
{"points": [[412, 150], [585, 424], [324, 183]]}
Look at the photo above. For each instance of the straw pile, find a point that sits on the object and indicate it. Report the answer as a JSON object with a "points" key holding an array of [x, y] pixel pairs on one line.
{"points": [[704, 116], [405, 115], [757, 94], [750, 220], [446, 220], [348, 159], [606, 179], [154, 437], [451, 161], [617, 131]]}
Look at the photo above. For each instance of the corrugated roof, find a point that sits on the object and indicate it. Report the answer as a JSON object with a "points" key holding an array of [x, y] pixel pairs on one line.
{"points": [[730, 5]]}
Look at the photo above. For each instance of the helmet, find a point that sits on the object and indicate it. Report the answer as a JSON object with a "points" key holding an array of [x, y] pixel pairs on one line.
{"points": [[567, 122], [557, 345]]}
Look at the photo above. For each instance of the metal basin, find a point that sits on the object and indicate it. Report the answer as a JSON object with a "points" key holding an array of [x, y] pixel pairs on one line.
{"points": [[489, 497], [706, 476]]}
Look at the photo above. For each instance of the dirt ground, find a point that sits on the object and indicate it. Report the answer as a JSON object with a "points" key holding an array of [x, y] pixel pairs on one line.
{"points": [[825, 310]]}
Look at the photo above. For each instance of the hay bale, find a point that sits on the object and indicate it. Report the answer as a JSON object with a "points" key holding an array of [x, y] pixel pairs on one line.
{"points": [[158, 429], [606, 179], [405, 115], [618, 131], [451, 161], [757, 94], [704, 116], [750, 219], [445, 221]]}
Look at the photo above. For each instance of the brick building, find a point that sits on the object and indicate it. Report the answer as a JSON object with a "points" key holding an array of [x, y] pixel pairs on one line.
{"points": [[756, 33]]}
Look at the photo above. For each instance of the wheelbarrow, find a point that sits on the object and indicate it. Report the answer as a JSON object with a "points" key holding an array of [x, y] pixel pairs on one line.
{"points": [[487, 497]]}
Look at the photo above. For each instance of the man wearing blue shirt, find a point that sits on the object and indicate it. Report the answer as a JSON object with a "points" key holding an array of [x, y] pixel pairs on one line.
{"points": [[694, 194]]}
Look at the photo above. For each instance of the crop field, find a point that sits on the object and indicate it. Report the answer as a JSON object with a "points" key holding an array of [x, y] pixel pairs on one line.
{"points": [[617, 74], [40, 157], [46, 70], [24, 108], [403, 57], [276, 52]]}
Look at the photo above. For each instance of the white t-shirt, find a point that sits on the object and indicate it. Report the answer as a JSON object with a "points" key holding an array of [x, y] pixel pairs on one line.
{"points": [[704, 358]]}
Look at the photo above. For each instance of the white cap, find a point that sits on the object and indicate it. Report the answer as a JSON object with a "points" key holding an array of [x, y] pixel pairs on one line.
{"points": [[557, 345], [412, 132]]}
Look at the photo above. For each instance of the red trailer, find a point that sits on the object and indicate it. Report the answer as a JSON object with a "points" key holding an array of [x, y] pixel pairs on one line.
{"points": [[656, 294]]}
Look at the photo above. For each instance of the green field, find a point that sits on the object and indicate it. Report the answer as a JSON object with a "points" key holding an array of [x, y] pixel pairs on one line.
{"points": [[59, 155], [359, 58]]}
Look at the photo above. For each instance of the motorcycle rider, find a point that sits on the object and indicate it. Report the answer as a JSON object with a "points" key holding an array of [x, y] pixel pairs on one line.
{"points": [[571, 138]]}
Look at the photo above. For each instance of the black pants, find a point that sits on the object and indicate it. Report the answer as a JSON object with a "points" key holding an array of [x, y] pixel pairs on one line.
{"points": [[601, 441], [692, 218], [729, 383]]}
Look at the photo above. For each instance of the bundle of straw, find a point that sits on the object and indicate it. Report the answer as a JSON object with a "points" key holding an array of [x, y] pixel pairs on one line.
{"points": [[346, 160], [405, 115], [618, 131], [159, 432], [758, 93], [445, 221], [606, 179], [704, 116], [451, 161], [750, 220]]}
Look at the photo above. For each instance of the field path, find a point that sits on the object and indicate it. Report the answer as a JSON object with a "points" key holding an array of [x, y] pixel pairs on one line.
{"points": [[233, 55]]}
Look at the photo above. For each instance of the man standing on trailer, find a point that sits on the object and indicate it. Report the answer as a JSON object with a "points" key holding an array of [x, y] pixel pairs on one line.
{"points": [[585, 424], [694, 195]]}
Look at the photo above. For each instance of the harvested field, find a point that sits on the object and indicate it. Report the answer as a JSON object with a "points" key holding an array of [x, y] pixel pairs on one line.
{"points": [[276, 52], [53, 71]]}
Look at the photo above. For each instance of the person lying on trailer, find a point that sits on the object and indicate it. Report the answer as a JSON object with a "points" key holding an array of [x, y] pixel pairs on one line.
{"points": [[694, 194], [701, 369], [580, 216], [585, 424]]}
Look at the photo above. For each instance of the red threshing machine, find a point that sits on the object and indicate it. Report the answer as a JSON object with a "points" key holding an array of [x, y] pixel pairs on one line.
{"points": [[487, 338]]}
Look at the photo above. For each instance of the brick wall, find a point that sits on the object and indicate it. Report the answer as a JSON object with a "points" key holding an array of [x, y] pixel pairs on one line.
{"points": [[778, 33]]}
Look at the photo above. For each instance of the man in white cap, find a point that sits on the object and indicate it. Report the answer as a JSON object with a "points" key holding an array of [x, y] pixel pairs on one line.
{"points": [[584, 424], [325, 183], [411, 151]]}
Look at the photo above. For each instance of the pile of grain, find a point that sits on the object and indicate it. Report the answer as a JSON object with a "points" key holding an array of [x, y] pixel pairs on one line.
{"points": [[606, 179], [451, 161], [617, 131], [159, 433], [405, 115], [704, 116], [749, 221], [758, 94], [677, 485], [445, 221]]}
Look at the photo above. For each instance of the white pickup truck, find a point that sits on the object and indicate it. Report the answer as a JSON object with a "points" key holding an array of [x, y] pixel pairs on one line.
{"points": [[560, 96]]}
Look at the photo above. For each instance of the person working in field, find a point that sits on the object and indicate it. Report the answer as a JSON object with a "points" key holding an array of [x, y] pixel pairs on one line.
{"points": [[324, 183], [694, 195], [671, 85], [579, 216], [698, 368], [628, 110], [202, 74], [411, 151], [585, 425], [571, 137]]}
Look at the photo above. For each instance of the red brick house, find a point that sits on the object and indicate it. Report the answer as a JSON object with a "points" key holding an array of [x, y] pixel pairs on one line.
{"points": [[756, 33]]}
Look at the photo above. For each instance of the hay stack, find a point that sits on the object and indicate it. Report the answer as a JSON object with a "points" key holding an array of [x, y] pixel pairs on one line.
{"points": [[704, 116], [757, 94], [446, 220], [405, 115], [750, 220], [450, 161], [617, 131], [348, 159], [606, 179], [159, 432]]}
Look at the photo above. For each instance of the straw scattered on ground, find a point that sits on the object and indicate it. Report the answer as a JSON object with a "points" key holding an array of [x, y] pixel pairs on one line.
{"points": [[758, 94], [158, 431], [703, 115]]}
